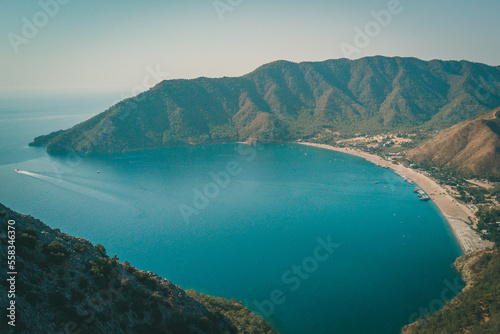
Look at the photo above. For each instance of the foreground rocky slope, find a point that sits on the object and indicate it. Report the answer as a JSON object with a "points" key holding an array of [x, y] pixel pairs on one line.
{"points": [[472, 147], [65, 284], [285, 101]]}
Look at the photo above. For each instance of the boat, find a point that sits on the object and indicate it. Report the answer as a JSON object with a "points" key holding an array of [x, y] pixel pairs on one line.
{"points": [[404, 177], [16, 170], [98, 171], [420, 192], [424, 198]]}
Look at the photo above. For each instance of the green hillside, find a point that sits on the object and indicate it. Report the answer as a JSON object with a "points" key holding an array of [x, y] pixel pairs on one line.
{"points": [[64, 284], [284, 101]]}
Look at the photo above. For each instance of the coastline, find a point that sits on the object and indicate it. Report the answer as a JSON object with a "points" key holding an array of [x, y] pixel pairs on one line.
{"points": [[456, 214]]}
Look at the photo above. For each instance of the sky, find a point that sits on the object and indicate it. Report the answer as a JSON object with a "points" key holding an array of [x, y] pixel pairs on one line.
{"points": [[124, 45]]}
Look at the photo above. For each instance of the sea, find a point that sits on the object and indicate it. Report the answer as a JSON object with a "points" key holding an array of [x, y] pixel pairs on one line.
{"points": [[313, 240]]}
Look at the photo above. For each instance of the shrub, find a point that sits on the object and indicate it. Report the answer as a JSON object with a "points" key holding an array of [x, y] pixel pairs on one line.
{"points": [[56, 251], [125, 282], [165, 289], [31, 231], [81, 248], [101, 249], [101, 269], [142, 276], [146, 279], [156, 296], [128, 267], [26, 240]]}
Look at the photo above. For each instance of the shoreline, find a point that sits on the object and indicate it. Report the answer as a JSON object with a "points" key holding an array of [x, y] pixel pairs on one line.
{"points": [[456, 214]]}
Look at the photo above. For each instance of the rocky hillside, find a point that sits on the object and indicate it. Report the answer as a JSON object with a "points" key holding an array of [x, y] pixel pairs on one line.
{"points": [[476, 309], [65, 284], [284, 101], [472, 147]]}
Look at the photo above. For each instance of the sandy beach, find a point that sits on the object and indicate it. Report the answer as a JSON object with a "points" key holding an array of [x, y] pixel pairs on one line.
{"points": [[456, 214]]}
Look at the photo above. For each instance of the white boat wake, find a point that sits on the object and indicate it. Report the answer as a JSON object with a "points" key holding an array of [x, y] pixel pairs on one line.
{"points": [[86, 191]]}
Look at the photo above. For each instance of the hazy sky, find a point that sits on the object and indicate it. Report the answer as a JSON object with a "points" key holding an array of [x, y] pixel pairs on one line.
{"points": [[117, 44]]}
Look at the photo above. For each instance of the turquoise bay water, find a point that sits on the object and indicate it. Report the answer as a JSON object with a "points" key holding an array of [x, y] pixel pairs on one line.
{"points": [[392, 257]]}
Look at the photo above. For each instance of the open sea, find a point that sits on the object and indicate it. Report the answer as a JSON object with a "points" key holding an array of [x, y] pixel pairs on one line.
{"points": [[301, 235]]}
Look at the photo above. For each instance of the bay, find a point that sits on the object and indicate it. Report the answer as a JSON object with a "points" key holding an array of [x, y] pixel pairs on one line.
{"points": [[253, 233]]}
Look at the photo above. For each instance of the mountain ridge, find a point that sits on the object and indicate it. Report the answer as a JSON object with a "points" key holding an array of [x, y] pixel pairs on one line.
{"points": [[283, 100]]}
